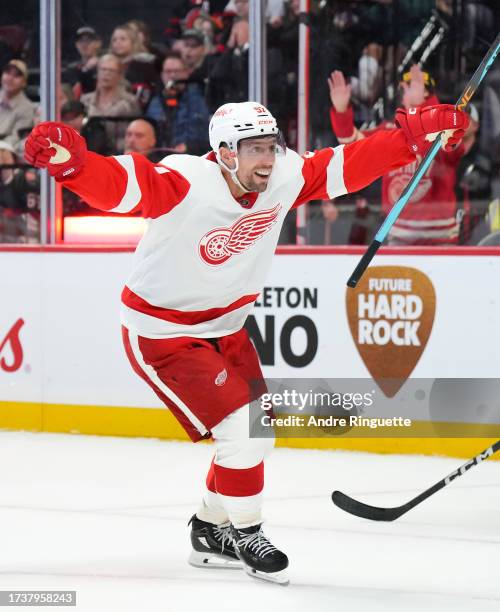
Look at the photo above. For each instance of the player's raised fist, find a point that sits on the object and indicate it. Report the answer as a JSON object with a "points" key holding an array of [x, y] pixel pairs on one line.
{"points": [[57, 147], [422, 125]]}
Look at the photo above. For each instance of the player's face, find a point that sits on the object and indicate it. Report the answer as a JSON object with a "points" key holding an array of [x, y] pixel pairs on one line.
{"points": [[256, 157]]}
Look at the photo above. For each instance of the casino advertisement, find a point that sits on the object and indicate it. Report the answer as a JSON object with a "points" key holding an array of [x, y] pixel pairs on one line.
{"points": [[419, 338]]}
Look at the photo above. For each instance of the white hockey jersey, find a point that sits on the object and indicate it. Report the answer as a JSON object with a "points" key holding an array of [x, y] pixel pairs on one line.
{"points": [[202, 261]]}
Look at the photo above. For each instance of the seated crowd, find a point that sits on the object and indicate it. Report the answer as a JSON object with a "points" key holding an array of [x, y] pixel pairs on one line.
{"points": [[156, 98]]}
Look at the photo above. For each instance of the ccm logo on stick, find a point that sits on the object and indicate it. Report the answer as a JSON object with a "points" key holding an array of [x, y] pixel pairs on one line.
{"points": [[481, 457]]}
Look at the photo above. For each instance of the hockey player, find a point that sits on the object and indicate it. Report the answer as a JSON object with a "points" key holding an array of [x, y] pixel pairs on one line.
{"points": [[213, 226]]}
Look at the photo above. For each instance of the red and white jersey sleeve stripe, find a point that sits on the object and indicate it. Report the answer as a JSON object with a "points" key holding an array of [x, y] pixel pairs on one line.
{"points": [[329, 173], [129, 184]]}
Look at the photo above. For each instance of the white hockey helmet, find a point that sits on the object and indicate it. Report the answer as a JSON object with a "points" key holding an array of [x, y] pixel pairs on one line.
{"points": [[235, 121]]}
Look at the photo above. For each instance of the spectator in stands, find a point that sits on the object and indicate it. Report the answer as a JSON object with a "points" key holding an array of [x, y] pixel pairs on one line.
{"points": [[24, 132], [490, 132], [206, 25], [82, 75], [140, 137], [285, 40], [476, 26], [474, 186], [240, 7], [347, 220], [64, 94], [7, 158], [367, 83], [479, 26], [138, 64], [275, 12], [229, 76], [411, 17], [177, 46], [110, 99], [125, 43], [194, 55], [73, 114], [179, 109], [16, 110], [19, 200], [142, 32], [144, 37], [430, 217], [240, 35]]}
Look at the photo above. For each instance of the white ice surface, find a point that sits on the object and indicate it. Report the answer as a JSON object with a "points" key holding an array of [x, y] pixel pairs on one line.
{"points": [[107, 517]]}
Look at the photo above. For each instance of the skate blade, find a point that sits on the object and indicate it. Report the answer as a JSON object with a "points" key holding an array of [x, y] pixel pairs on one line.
{"points": [[211, 561], [275, 578]]}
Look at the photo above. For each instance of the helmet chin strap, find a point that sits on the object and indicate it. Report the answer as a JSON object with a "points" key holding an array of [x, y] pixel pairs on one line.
{"points": [[237, 181], [233, 173]]}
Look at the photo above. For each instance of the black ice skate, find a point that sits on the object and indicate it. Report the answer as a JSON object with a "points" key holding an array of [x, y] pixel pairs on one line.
{"points": [[212, 545], [259, 557]]}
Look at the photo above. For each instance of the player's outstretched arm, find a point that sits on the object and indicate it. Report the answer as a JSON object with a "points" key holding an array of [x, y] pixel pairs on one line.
{"points": [[381, 152], [329, 173], [121, 184]]}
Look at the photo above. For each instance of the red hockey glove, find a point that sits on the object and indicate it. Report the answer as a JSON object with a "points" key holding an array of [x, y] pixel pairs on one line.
{"points": [[57, 147], [422, 125]]}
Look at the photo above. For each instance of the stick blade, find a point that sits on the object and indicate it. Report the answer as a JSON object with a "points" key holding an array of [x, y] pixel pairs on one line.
{"points": [[372, 513]]}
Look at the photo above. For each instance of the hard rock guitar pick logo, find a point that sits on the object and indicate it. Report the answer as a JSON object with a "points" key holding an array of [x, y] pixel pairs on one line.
{"points": [[11, 350], [220, 244], [391, 313]]}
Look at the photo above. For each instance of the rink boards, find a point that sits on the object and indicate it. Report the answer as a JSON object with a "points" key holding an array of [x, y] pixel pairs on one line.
{"points": [[418, 314]]}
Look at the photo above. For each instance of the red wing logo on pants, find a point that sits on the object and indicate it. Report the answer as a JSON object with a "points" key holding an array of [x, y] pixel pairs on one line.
{"points": [[220, 244], [391, 313], [13, 341]]}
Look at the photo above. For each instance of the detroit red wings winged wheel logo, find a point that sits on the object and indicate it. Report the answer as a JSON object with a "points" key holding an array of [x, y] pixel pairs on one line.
{"points": [[220, 244]]}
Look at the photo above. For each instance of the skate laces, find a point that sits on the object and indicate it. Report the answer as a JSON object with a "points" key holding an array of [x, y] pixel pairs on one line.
{"points": [[222, 533], [256, 542]]}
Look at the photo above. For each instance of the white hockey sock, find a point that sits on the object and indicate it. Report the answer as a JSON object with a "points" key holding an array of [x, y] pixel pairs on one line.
{"points": [[211, 509], [243, 511]]}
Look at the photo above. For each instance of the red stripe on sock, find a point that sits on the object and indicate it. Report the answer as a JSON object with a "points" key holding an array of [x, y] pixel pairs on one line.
{"points": [[211, 478], [239, 483]]}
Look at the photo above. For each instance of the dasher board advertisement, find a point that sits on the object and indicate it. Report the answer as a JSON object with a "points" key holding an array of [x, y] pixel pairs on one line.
{"points": [[411, 316]]}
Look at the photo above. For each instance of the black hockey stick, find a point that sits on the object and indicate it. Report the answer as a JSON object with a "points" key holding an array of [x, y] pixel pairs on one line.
{"points": [[374, 513], [468, 92]]}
